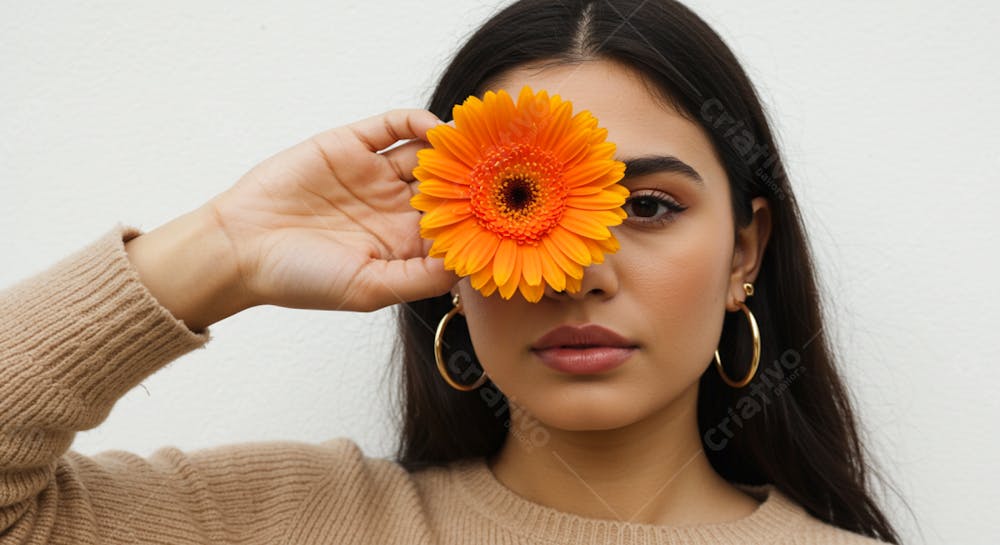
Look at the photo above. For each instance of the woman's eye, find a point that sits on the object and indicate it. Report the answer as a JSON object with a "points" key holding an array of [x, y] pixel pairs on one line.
{"points": [[650, 208]]}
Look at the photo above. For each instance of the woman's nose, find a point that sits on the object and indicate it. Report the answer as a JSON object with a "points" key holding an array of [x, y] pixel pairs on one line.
{"points": [[598, 280]]}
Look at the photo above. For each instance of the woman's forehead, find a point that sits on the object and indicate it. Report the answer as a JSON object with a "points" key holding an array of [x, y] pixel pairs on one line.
{"points": [[638, 122]]}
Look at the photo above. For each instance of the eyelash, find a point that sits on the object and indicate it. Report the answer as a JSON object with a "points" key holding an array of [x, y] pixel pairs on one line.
{"points": [[660, 198]]}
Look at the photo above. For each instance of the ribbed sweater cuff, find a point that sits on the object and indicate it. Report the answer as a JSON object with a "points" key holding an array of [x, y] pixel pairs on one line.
{"points": [[90, 327]]}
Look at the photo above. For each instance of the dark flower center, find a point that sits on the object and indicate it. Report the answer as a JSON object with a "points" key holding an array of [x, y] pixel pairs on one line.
{"points": [[517, 193]]}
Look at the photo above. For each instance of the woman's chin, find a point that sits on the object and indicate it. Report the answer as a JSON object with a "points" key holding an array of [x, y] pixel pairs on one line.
{"points": [[570, 408]]}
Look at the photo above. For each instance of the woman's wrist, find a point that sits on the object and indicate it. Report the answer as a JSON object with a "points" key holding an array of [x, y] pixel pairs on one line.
{"points": [[189, 267]]}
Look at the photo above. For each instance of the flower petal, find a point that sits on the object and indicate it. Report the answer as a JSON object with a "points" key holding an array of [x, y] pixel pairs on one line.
{"points": [[433, 164], [587, 172], [608, 218], [526, 103], [620, 189], [573, 284], [593, 152], [555, 126], [603, 150], [446, 213], [503, 120], [612, 177], [479, 278], [532, 265], [609, 245], [489, 287], [584, 224], [614, 172], [504, 261], [532, 294], [604, 200], [584, 190], [553, 275], [462, 239], [478, 253], [445, 239], [508, 289], [448, 138], [596, 254], [469, 120], [490, 100], [570, 244], [597, 137], [573, 144], [445, 190], [425, 202], [570, 267]]}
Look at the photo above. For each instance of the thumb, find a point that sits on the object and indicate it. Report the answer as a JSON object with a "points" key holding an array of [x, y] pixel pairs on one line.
{"points": [[398, 280]]}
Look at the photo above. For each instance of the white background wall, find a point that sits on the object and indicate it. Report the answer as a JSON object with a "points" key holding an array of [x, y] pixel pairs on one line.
{"points": [[887, 112]]}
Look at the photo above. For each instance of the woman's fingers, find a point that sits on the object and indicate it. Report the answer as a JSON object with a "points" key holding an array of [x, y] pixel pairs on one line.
{"points": [[347, 177], [380, 131], [404, 158], [397, 280], [350, 151]]}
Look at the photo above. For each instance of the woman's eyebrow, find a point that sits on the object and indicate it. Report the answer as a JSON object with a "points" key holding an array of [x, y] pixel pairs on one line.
{"points": [[649, 164]]}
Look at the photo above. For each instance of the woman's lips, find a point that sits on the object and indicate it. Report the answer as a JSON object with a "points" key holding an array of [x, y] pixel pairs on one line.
{"points": [[584, 360]]}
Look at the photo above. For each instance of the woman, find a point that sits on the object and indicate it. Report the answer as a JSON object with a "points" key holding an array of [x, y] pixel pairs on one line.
{"points": [[692, 438]]}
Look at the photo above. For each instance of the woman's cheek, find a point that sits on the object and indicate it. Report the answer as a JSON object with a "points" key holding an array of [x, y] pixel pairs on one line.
{"points": [[493, 328], [680, 295]]}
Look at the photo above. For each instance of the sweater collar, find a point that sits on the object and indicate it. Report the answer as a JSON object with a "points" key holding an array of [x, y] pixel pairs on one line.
{"points": [[776, 515]]}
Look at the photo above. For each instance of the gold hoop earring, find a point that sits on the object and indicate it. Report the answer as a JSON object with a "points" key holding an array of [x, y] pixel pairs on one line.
{"points": [[438, 336], [748, 289]]}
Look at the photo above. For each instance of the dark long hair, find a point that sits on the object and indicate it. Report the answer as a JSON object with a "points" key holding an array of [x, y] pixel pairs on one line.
{"points": [[793, 425]]}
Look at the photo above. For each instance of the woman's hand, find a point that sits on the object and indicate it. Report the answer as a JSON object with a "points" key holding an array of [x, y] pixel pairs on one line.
{"points": [[327, 224]]}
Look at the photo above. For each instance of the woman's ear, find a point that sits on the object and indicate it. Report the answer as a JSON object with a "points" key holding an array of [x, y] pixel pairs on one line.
{"points": [[749, 248]]}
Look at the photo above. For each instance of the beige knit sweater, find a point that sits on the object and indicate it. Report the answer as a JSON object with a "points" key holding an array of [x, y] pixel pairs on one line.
{"points": [[78, 335]]}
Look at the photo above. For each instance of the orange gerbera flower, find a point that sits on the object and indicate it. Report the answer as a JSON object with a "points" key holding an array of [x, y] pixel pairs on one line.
{"points": [[518, 194]]}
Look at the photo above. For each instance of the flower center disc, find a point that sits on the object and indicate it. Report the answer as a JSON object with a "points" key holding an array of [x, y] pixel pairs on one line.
{"points": [[518, 192]]}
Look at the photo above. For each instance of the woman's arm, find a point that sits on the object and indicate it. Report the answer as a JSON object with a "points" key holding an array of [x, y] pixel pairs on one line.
{"points": [[73, 340], [324, 224], [187, 265]]}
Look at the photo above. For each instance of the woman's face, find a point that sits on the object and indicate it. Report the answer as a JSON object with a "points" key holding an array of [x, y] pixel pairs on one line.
{"points": [[667, 288]]}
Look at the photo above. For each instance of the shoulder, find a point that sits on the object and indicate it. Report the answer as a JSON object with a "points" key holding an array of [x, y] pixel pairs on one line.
{"points": [[289, 468], [338, 464], [810, 530], [797, 525], [295, 468], [360, 493], [257, 491], [817, 532]]}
